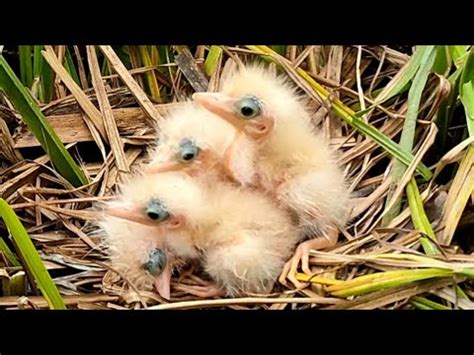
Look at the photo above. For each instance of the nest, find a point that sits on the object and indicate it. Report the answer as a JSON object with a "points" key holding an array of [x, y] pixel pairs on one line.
{"points": [[57, 215]]}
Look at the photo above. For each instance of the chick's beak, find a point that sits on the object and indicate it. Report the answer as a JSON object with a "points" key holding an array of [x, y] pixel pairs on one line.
{"points": [[163, 282], [195, 168], [128, 212], [223, 106], [162, 167], [220, 105]]}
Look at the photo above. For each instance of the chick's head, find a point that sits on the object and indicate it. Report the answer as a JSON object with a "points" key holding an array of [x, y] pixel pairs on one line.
{"points": [[167, 201], [255, 101], [193, 140]]}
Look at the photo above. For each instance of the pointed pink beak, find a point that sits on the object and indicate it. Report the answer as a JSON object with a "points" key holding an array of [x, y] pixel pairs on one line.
{"points": [[224, 107], [129, 212], [163, 282], [163, 167], [220, 105]]}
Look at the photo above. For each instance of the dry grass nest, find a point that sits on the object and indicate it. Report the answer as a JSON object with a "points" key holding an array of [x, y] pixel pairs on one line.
{"points": [[418, 255]]}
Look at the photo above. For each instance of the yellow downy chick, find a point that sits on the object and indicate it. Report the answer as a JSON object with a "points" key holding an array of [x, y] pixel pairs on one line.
{"points": [[137, 252], [241, 238], [193, 140], [293, 161]]}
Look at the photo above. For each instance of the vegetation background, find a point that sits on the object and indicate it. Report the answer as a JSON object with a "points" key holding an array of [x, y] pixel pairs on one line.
{"points": [[74, 120]]}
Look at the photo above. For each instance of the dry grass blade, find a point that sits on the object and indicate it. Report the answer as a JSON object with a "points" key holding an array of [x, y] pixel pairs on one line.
{"points": [[194, 75], [450, 295], [398, 261], [133, 86], [71, 128], [72, 300], [240, 301], [452, 155], [104, 104], [91, 111], [459, 193]]}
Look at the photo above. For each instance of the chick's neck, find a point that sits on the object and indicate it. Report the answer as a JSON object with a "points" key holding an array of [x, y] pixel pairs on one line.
{"points": [[291, 149]]}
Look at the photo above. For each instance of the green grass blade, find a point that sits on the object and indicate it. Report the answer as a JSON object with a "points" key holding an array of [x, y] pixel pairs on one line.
{"points": [[458, 54], [122, 52], [279, 49], [26, 69], [419, 218], [466, 272], [466, 91], [424, 302], [154, 55], [8, 253], [37, 87], [414, 98], [46, 79], [421, 306], [409, 127], [30, 257], [33, 117], [446, 111], [70, 67], [461, 294], [212, 60], [397, 280], [404, 76], [350, 116], [17, 285], [152, 83], [105, 70], [37, 61], [443, 61]]}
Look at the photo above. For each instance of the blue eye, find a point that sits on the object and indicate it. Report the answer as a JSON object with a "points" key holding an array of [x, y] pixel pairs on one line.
{"points": [[156, 210], [156, 262], [248, 107], [188, 151]]}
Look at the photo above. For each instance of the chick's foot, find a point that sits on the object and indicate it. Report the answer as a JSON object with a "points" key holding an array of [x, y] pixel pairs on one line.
{"points": [[302, 254]]}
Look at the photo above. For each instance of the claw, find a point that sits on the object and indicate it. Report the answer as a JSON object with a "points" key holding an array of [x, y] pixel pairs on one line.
{"points": [[290, 269], [302, 253]]}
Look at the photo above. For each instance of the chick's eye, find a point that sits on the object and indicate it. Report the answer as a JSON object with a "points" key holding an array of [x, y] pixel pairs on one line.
{"points": [[156, 210], [188, 151], [249, 107], [156, 262]]}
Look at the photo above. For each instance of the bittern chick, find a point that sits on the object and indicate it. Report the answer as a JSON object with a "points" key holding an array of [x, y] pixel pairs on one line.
{"points": [[193, 140], [137, 252], [293, 161], [240, 237]]}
